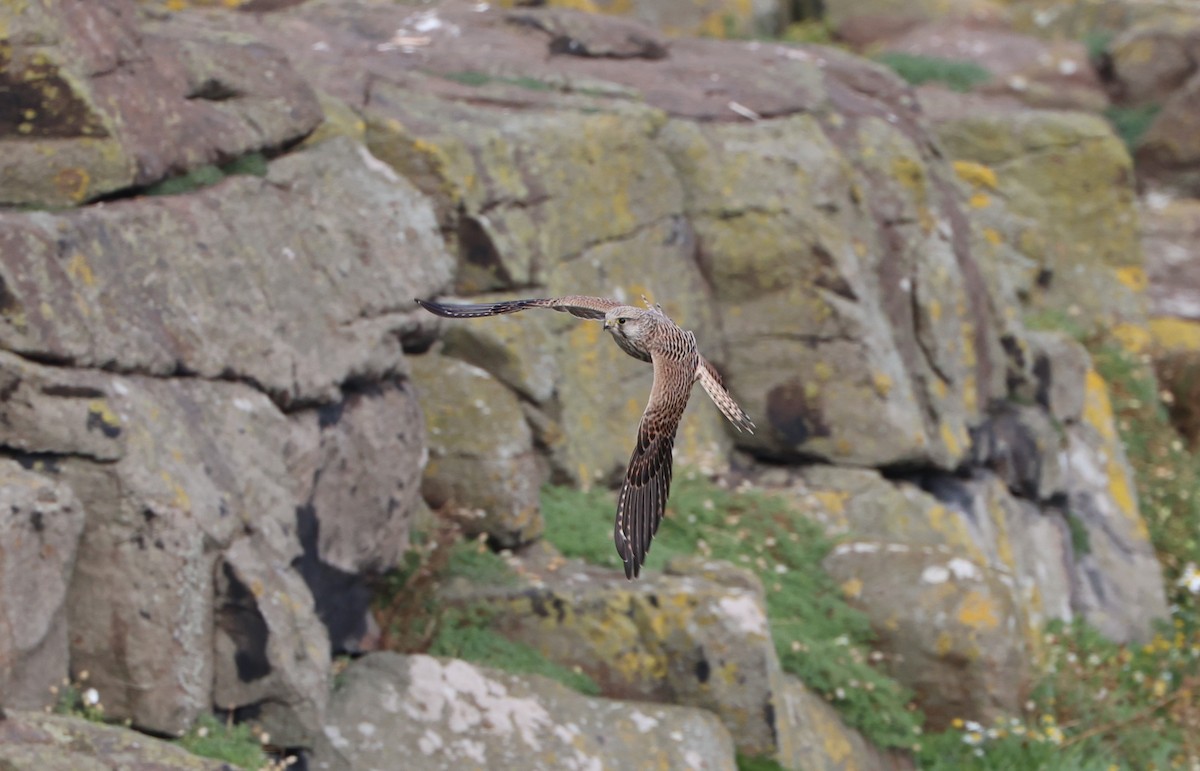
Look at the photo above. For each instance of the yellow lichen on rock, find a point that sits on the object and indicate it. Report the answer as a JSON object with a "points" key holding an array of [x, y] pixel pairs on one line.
{"points": [[1173, 334], [976, 174]]}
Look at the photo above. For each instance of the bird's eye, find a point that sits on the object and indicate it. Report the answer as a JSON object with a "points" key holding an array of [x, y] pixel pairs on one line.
{"points": [[622, 320]]}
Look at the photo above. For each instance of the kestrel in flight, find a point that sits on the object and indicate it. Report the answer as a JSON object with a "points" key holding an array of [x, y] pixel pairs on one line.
{"points": [[650, 335]]}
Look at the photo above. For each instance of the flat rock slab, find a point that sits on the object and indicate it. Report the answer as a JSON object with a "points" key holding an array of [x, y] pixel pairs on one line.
{"points": [[449, 714], [296, 281], [33, 741], [97, 103]]}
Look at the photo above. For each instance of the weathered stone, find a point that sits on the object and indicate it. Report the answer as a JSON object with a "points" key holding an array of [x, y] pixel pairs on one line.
{"points": [[361, 460], [711, 18], [1057, 367], [481, 469], [1120, 585], [1045, 164], [864, 22], [1171, 241], [1023, 447], [1152, 59], [445, 713], [99, 104], [174, 473], [270, 649], [1071, 20], [1039, 73], [957, 583], [297, 282], [505, 184], [818, 740], [669, 639], [1169, 151], [34, 741], [517, 350], [40, 525], [755, 190]]}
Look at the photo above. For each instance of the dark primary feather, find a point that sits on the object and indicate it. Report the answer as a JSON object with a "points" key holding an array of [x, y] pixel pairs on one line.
{"points": [[577, 305], [643, 496]]}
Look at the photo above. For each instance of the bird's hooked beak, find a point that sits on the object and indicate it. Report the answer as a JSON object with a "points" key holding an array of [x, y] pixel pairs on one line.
{"points": [[607, 325]]}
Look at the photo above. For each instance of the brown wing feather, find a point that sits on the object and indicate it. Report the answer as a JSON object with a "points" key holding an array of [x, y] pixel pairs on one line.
{"points": [[643, 496], [577, 305]]}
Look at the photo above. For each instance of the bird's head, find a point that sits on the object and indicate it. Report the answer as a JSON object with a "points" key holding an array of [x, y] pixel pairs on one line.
{"points": [[628, 322]]}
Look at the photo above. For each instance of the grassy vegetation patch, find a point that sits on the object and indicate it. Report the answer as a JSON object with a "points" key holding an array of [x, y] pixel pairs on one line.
{"points": [[1131, 123], [818, 636], [414, 620], [475, 79], [254, 164], [233, 743], [467, 636], [954, 74]]}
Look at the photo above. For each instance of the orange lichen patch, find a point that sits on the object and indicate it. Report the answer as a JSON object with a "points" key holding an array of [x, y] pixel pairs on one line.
{"points": [[852, 588], [73, 183], [980, 201], [950, 439], [1175, 334], [1121, 490], [1097, 409], [833, 501], [1134, 338], [1134, 277], [78, 269], [992, 236], [978, 612], [976, 174], [882, 384]]}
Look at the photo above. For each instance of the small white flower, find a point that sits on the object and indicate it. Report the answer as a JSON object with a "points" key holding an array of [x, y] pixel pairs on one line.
{"points": [[1190, 579], [91, 697]]}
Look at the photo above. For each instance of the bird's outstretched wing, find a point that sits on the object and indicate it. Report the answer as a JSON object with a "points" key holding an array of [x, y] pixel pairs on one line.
{"points": [[643, 496], [577, 305], [708, 376]]}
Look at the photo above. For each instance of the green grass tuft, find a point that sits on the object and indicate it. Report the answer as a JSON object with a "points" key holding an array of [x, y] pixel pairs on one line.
{"points": [[818, 636], [467, 636], [254, 164], [957, 75], [1131, 123], [747, 763], [232, 743]]}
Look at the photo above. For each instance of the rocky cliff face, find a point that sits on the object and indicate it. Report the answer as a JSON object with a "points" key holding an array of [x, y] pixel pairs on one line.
{"points": [[221, 413]]}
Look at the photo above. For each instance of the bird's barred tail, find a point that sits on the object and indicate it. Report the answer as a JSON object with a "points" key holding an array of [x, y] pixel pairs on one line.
{"points": [[708, 377]]}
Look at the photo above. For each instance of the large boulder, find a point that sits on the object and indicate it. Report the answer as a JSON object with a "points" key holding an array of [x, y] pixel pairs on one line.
{"points": [[956, 582], [97, 104], [174, 474], [1153, 59], [1067, 184], [39, 534], [1168, 153], [296, 282], [695, 635], [446, 713], [481, 471]]}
